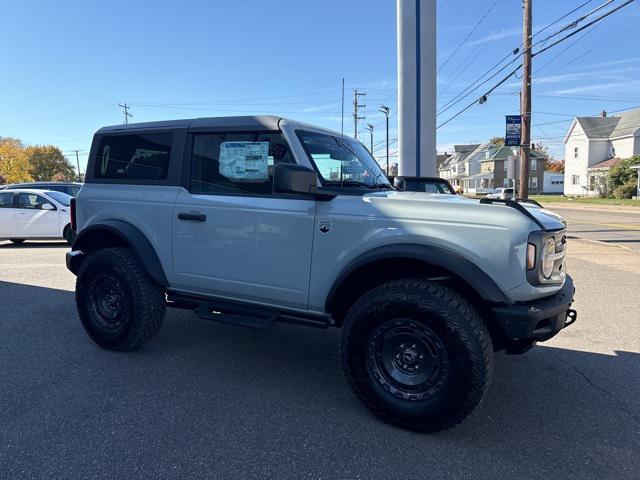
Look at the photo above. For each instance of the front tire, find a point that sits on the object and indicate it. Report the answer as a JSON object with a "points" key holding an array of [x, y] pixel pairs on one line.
{"points": [[120, 306], [417, 354]]}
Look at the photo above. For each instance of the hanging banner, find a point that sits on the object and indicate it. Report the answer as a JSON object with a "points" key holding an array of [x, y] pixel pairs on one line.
{"points": [[512, 135]]}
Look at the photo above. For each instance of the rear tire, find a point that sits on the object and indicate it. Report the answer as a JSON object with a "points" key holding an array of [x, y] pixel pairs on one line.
{"points": [[417, 354], [16, 241], [120, 306]]}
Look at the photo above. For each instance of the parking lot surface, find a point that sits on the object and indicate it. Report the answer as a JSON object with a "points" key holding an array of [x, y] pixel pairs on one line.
{"points": [[210, 400]]}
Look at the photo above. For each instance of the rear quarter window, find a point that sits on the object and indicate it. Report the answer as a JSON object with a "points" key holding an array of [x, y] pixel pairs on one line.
{"points": [[133, 157]]}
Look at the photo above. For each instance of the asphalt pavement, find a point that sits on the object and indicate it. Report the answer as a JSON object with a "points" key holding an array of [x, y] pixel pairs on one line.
{"points": [[608, 224], [206, 400]]}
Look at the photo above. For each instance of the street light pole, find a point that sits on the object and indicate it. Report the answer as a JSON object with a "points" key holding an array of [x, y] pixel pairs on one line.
{"points": [[370, 128], [384, 109]]}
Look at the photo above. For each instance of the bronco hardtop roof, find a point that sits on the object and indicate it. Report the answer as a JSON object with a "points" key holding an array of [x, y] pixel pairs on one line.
{"points": [[252, 122], [238, 123]]}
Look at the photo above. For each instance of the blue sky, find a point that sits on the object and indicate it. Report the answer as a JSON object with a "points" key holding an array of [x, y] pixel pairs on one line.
{"points": [[67, 65]]}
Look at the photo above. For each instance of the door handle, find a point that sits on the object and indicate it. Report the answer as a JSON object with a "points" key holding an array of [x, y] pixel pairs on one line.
{"points": [[195, 217]]}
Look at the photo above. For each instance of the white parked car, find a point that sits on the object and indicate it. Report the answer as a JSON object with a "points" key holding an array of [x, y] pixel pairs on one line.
{"points": [[30, 214], [502, 194]]}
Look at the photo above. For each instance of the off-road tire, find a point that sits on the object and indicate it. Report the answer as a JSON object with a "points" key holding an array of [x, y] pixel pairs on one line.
{"points": [[137, 302], [17, 241], [69, 235], [445, 322]]}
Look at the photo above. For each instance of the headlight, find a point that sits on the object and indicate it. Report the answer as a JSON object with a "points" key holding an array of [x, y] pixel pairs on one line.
{"points": [[548, 257]]}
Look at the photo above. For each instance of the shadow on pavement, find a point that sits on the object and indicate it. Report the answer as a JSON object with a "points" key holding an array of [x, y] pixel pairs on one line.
{"points": [[209, 399], [34, 244]]}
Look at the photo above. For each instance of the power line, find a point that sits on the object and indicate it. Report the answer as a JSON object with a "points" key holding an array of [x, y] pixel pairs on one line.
{"points": [[563, 17], [476, 54], [473, 87], [484, 97], [475, 27]]}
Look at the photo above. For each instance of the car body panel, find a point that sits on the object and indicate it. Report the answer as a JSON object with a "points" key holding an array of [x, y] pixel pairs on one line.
{"points": [[252, 248]]}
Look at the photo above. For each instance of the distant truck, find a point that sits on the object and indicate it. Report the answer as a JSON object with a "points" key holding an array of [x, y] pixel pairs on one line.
{"points": [[253, 220]]}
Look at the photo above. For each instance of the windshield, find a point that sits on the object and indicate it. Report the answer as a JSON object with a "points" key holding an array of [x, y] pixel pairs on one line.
{"points": [[61, 198], [347, 163]]}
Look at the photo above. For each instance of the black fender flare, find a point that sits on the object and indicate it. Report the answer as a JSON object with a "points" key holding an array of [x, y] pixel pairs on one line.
{"points": [[133, 237], [453, 262]]}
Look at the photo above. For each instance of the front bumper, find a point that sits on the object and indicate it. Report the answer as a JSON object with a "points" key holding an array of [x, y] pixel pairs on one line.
{"points": [[74, 258], [537, 320]]}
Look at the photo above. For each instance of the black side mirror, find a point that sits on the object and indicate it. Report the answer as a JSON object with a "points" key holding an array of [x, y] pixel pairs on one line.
{"points": [[292, 178], [399, 183]]}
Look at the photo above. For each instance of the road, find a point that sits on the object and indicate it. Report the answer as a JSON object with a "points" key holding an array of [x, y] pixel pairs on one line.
{"points": [[206, 400], [616, 226]]}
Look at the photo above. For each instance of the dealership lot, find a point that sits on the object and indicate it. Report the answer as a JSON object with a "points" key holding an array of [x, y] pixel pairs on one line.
{"points": [[205, 399]]}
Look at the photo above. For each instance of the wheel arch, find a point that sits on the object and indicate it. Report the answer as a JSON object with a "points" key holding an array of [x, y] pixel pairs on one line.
{"points": [[117, 233], [394, 261]]}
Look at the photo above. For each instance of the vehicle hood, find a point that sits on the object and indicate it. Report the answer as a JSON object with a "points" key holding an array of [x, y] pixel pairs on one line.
{"points": [[421, 205]]}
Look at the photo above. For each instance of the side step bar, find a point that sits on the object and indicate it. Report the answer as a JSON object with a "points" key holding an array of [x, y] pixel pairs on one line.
{"points": [[242, 314]]}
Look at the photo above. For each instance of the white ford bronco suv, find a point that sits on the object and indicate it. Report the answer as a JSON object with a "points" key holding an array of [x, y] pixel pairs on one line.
{"points": [[254, 220]]}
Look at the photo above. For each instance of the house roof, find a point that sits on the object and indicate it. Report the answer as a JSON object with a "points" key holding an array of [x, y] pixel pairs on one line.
{"points": [[460, 153], [441, 159], [612, 162], [502, 153], [627, 123]]}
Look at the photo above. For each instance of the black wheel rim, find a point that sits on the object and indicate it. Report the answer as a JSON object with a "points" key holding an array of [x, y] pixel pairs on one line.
{"points": [[108, 309], [408, 359]]}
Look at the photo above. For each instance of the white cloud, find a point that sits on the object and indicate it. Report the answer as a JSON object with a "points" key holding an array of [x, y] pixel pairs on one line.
{"points": [[600, 87], [499, 35]]}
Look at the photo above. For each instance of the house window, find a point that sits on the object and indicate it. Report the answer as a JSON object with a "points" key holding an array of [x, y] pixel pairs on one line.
{"points": [[534, 164], [533, 182], [505, 182], [575, 152], [506, 165], [575, 179]]}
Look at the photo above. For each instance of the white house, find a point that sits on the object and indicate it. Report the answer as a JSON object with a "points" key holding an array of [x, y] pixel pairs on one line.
{"points": [[591, 141], [553, 182], [453, 168]]}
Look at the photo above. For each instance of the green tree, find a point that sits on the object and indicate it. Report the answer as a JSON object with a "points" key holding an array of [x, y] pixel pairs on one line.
{"points": [[14, 165], [622, 179], [47, 162]]}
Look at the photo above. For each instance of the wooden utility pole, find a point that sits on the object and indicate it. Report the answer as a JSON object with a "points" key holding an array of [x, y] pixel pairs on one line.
{"points": [[125, 111], [78, 163], [356, 107], [525, 101]]}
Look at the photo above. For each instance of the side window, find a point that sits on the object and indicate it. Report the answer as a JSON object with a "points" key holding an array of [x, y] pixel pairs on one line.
{"points": [[236, 163], [134, 157], [31, 201], [6, 200]]}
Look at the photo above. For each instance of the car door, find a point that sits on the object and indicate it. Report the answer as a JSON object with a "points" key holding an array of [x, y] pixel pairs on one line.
{"points": [[8, 228], [34, 220], [232, 236]]}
